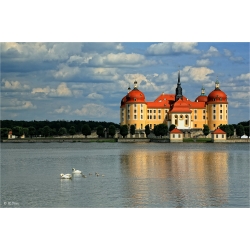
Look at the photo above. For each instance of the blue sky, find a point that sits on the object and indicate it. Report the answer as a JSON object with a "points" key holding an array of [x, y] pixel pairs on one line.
{"points": [[86, 68], [86, 81]]}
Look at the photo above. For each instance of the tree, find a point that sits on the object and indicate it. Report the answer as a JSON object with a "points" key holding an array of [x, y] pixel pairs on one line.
{"points": [[112, 130], [231, 127], [162, 129], [62, 131], [32, 131], [86, 130], [46, 131], [156, 130], [205, 130], [26, 132], [172, 126], [240, 130], [72, 131], [147, 130], [100, 130], [246, 129], [124, 130], [132, 129], [226, 129], [5, 132], [17, 130]]}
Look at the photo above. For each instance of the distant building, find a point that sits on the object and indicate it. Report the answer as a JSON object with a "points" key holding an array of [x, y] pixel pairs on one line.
{"points": [[219, 135], [176, 135], [176, 109]]}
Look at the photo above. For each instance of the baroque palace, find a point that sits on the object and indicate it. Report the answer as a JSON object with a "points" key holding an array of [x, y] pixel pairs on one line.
{"points": [[211, 110]]}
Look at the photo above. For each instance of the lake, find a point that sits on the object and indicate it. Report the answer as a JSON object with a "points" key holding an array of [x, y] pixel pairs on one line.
{"points": [[136, 175]]}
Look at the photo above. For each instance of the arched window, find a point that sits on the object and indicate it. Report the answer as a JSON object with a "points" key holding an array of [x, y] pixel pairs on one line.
{"points": [[176, 120]]}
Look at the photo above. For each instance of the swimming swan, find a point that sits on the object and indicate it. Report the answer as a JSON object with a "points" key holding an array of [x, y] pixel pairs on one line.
{"points": [[74, 171], [66, 176]]}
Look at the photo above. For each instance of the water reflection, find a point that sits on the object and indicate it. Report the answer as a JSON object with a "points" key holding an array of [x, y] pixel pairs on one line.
{"points": [[176, 179]]}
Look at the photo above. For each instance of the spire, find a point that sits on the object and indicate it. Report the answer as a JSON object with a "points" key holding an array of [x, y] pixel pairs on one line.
{"points": [[202, 90], [217, 84], [178, 91], [135, 84]]}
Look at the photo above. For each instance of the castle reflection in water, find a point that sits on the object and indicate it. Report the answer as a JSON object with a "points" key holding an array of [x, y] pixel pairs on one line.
{"points": [[177, 178]]}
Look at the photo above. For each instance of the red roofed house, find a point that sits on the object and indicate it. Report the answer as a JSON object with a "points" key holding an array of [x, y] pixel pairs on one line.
{"points": [[176, 135], [219, 135], [176, 109]]}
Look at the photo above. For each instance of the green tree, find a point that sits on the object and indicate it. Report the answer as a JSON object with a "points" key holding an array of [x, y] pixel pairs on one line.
{"points": [[162, 129], [231, 127], [17, 131], [72, 131], [112, 130], [26, 132], [172, 126], [240, 130], [205, 129], [100, 131], [62, 131], [86, 130], [46, 131], [147, 130], [5, 132], [32, 131], [156, 130], [246, 129], [132, 129], [226, 129], [124, 130]]}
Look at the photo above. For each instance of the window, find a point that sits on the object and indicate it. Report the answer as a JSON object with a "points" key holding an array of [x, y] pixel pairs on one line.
{"points": [[214, 105], [159, 117], [154, 116], [166, 110], [181, 116], [214, 117], [142, 105], [135, 111], [204, 117], [221, 111], [154, 111], [195, 117], [173, 135], [128, 111], [216, 136], [226, 111], [214, 125], [214, 111], [159, 111], [222, 136], [134, 116], [141, 116], [195, 125], [221, 105], [204, 111], [148, 117], [220, 116], [135, 104], [128, 117], [195, 111], [150, 126], [179, 135], [141, 126], [150, 111], [141, 111]]}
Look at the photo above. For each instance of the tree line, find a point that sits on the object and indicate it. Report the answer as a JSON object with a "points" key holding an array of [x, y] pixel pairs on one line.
{"points": [[54, 128]]}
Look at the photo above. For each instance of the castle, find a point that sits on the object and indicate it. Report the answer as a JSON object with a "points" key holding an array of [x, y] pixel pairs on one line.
{"points": [[211, 110]]}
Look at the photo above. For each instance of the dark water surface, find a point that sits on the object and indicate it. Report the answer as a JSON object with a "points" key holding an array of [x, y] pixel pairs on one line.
{"points": [[153, 175]]}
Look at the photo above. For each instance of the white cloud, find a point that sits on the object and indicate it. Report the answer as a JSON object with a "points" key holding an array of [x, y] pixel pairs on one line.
{"points": [[95, 110], [236, 59], [120, 59], [227, 52], [66, 72], [169, 48], [15, 104], [62, 109], [61, 90], [212, 52], [94, 96], [203, 62], [244, 77], [14, 85]]}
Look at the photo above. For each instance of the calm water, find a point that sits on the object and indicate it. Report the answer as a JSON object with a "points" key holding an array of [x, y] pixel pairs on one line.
{"points": [[136, 175]]}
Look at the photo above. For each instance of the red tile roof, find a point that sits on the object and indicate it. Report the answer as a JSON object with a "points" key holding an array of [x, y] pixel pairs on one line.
{"points": [[218, 131], [175, 131]]}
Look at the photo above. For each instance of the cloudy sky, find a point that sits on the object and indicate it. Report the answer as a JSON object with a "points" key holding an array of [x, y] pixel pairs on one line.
{"points": [[87, 81], [96, 55]]}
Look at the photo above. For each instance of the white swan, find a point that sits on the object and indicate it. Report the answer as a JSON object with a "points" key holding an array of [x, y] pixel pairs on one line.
{"points": [[66, 176], [74, 171]]}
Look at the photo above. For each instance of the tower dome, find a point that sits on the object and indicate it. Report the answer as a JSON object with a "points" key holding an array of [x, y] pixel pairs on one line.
{"points": [[135, 95], [217, 95], [202, 97]]}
